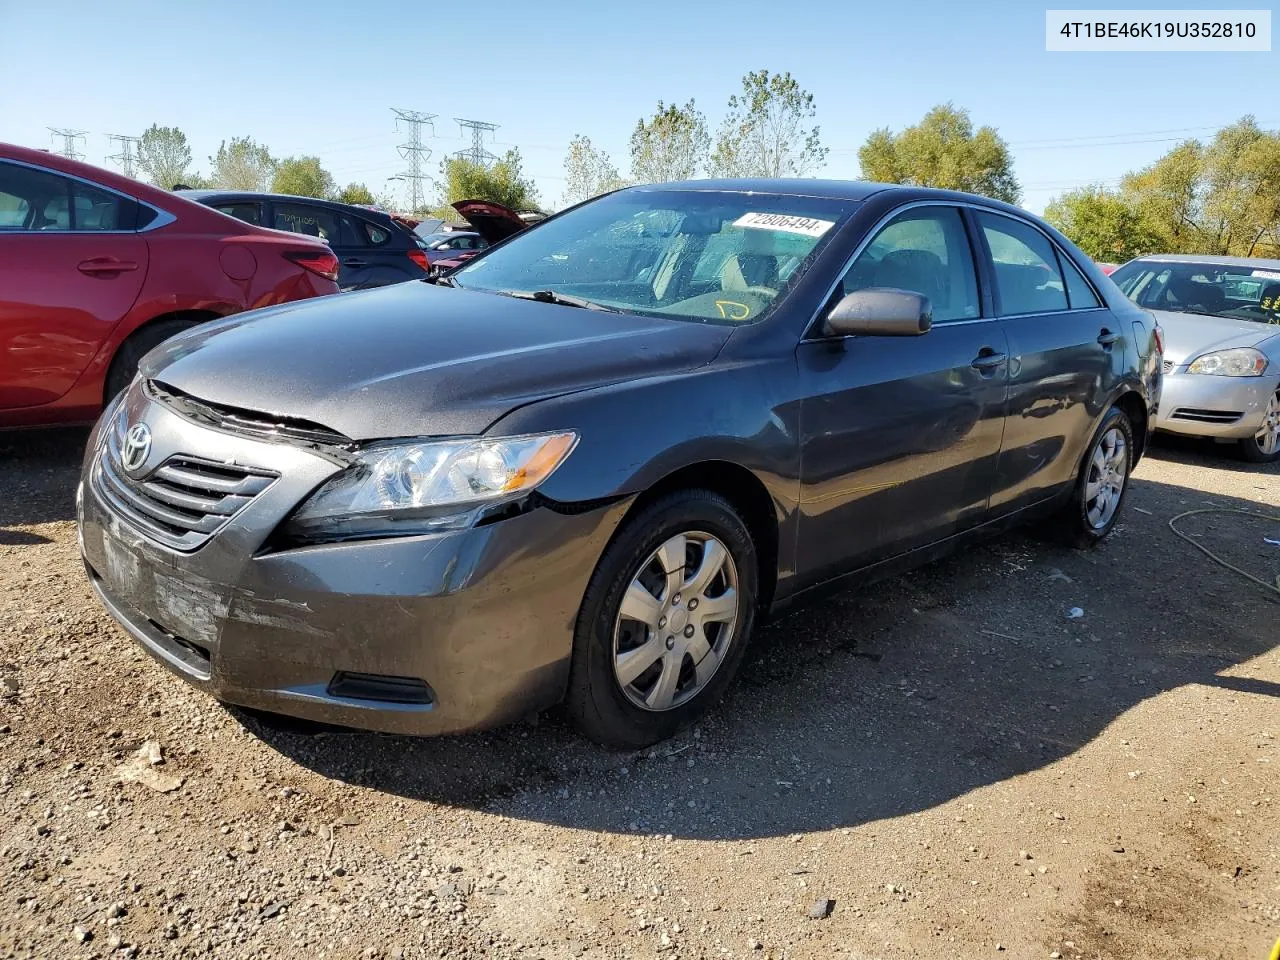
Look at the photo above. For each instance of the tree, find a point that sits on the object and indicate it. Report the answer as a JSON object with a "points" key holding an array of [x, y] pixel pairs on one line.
{"points": [[502, 182], [303, 177], [588, 172], [765, 132], [356, 193], [1168, 194], [1103, 225], [163, 155], [672, 145], [942, 150], [242, 164]]}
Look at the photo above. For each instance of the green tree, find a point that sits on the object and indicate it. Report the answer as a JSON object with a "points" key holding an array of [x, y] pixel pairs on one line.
{"points": [[588, 172], [242, 164], [502, 182], [1169, 196], [303, 177], [766, 133], [1102, 224], [670, 145], [356, 193], [942, 150], [163, 155]]}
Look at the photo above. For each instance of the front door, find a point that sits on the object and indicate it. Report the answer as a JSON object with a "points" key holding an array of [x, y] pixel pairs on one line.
{"points": [[900, 435]]}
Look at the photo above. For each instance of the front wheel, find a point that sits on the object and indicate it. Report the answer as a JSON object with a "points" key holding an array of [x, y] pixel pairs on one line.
{"points": [[1264, 446], [1101, 486], [664, 621]]}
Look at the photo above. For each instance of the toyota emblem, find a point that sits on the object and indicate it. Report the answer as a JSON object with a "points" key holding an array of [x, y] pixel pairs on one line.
{"points": [[137, 446]]}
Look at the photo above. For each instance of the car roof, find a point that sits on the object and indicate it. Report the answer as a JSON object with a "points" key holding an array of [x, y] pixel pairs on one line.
{"points": [[1253, 263], [203, 195]]}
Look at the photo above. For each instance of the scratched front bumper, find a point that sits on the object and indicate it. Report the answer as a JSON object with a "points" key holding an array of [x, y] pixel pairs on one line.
{"points": [[484, 616]]}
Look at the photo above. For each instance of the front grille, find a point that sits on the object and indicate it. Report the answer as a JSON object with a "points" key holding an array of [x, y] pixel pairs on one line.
{"points": [[1168, 366], [1206, 416], [184, 501]]}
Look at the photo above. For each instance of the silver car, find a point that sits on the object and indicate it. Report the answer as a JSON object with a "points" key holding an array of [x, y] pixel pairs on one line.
{"points": [[1221, 323]]}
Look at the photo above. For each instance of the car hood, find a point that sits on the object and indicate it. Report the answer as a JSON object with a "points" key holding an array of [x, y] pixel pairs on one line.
{"points": [[419, 360], [1188, 335]]}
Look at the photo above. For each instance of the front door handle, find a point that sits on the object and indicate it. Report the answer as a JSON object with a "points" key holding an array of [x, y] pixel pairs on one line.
{"points": [[104, 266], [355, 262], [988, 360], [1107, 338]]}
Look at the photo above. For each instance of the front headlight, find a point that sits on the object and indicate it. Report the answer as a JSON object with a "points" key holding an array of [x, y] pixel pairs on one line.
{"points": [[1238, 362], [429, 485]]}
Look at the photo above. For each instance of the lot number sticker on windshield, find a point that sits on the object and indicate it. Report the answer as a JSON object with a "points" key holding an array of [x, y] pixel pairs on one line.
{"points": [[1267, 274], [805, 226]]}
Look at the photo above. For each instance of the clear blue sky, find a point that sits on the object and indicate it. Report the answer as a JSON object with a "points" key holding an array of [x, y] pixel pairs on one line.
{"points": [[319, 77]]}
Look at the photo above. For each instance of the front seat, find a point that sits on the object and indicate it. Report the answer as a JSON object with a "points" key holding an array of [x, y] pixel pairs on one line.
{"points": [[745, 270], [1195, 296], [916, 270]]}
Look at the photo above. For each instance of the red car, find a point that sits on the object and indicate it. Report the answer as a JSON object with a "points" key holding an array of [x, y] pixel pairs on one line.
{"points": [[490, 222], [96, 269]]}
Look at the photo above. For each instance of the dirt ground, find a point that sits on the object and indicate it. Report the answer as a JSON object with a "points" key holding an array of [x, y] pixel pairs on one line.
{"points": [[946, 765]]}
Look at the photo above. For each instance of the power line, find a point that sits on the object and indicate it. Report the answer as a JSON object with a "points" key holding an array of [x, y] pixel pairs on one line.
{"points": [[414, 152], [125, 157], [477, 154], [69, 138]]}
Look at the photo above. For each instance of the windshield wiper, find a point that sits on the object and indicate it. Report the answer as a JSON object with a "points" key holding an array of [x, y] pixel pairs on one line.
{"points": [[563, 299]]}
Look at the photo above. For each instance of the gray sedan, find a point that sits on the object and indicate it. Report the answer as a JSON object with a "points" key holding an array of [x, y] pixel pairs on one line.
{"points": [[1221, 323]]}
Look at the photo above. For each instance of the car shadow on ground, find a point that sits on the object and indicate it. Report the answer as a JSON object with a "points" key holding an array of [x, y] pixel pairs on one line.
{"points": [[38, 480], [1202, 452], [885, 701]]}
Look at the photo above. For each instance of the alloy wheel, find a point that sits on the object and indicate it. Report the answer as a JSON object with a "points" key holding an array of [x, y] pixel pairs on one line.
{"points": [[677, 618], [1268, 436], [1108, 472]]}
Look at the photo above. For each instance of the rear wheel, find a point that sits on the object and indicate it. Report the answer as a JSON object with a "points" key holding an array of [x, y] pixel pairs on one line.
{"points": [[1264, 446], [124, 367], [664, 621], [1101, 486]]}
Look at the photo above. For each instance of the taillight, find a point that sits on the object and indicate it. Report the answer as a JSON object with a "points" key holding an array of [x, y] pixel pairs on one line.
{"points": [[420, 258], [1159, 339], [317, 261]]}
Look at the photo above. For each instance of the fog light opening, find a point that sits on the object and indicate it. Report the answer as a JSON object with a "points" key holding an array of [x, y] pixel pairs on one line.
{"points": [[379, 688]]}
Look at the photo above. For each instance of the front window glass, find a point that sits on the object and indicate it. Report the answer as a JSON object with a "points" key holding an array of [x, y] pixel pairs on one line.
{"points": [[710, 256], [1241, 291], [925, 251]]}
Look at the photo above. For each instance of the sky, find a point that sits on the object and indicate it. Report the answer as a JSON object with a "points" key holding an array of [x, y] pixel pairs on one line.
{"points": [[322, 78]]}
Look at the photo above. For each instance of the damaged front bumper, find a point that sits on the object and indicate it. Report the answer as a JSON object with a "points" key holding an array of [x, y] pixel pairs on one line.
{"points": [[427, 634]]}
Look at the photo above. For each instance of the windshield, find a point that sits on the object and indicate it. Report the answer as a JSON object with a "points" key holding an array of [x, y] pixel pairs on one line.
{"points": [[1241, 292], [708, 256]]}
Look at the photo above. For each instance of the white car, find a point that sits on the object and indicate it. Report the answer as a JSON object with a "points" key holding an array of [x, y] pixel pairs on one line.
{"points": [[1221, 323]]}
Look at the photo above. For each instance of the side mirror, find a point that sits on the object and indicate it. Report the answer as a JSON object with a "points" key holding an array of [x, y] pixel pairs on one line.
{"points": [[880, 312]]}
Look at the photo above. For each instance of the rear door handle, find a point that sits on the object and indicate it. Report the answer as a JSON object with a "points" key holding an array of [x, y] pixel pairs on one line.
{"points": [[99, 266], [1107, 338], [988, 360]]}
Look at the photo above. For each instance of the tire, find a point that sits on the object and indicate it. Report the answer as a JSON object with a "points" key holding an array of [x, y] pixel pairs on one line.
{"points": [[124, 366], [1262, 448], [1081, 522], [662, 698]]}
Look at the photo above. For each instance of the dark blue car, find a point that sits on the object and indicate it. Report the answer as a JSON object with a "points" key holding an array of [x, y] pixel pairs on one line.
{"points": [[373, 250]]}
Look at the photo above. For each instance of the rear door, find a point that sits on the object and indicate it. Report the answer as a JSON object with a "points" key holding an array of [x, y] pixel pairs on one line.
{"points": [[1067, 357], [323, 223], [900, 435], [71, 267], [385, 248]]}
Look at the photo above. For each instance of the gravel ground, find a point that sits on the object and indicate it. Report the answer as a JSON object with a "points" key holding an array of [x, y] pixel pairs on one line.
{"points": [[943, 765]]}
